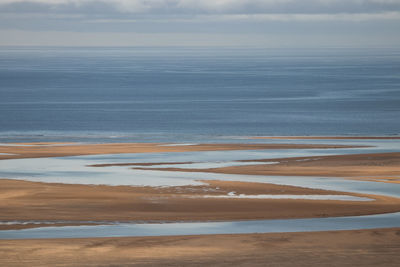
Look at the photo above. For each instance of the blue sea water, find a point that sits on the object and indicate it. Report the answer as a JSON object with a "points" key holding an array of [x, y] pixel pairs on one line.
{"points": [[176, 94]]}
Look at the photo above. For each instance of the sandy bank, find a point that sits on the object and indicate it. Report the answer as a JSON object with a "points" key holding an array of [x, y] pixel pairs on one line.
{"points": [[26, 150], [376, 167], [378, 247], [33, 201]]}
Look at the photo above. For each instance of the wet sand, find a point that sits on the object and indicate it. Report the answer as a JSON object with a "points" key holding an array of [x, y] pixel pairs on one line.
{"points": [[383, 167], [40, 150], [378, 247], [35, 201]]}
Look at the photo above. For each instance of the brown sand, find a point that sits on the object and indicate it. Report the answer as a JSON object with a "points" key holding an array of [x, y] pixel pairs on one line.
{"points": [[37, 225], [24, 201], [377, 167], [21, 200], [378, 247], [45, 150]]}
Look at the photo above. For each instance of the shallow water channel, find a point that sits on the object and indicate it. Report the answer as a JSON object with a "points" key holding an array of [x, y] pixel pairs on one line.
{"points": [[76, 170]]}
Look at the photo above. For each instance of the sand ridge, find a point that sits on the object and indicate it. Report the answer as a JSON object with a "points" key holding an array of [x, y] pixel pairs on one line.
{"points": [[27, 201], [26, 150], [372, 167]]}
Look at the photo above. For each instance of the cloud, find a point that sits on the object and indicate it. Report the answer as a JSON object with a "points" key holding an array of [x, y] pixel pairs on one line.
{"points": [[142, 22], [113, 39], [358, 17], [180, 7]]}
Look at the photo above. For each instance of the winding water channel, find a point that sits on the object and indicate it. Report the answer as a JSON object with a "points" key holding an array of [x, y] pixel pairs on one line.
{"points": [[76, 170]]}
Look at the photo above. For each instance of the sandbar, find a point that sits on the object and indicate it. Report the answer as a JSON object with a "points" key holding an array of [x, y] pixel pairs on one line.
{"points": [[36, 201], [26, 150], [73, 204], [380, 167]]}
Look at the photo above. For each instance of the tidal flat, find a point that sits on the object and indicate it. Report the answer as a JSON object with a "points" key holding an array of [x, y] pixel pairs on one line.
{"points": [[53, 187]]}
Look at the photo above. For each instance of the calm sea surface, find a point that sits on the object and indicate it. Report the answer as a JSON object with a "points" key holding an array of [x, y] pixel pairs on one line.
{"points": [[129, 94]]}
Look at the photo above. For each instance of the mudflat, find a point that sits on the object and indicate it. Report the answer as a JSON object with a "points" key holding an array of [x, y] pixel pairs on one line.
{"points": [[35, 201], [377, 247], [74, 204], [380, 167], [40, 150]]}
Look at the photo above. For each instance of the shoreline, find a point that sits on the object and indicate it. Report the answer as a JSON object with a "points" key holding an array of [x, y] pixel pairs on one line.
{"points": [[27, 150], [37, 201]]}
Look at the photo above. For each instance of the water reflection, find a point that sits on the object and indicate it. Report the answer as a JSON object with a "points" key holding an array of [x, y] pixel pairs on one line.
{"points": [[75, 170], [236, 227]]}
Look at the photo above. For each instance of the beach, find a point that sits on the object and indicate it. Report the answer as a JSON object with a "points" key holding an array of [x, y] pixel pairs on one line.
{"points": [[29, 204], [199, 133], [377, 247], [44, 149]]}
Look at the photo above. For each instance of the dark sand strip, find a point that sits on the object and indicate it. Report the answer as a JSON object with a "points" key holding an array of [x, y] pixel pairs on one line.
{"points": [[378, 247], [376, 167], [40, 151]]}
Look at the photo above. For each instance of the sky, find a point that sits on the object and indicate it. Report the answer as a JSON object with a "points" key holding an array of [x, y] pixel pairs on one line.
{"points": [[249, 23]]}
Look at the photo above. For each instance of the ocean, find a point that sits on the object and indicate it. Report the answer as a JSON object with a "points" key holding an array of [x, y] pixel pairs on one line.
{"points": [[184, 94]]}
